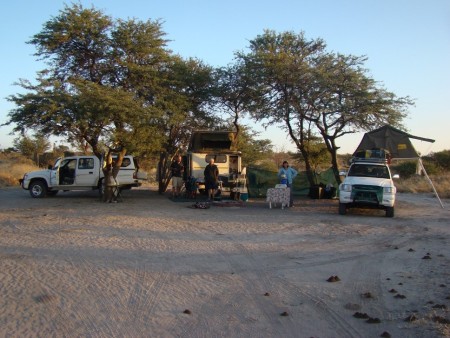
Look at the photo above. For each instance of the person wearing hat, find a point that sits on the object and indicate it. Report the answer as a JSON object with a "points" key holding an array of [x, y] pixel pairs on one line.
{"points": [[286, 176]]}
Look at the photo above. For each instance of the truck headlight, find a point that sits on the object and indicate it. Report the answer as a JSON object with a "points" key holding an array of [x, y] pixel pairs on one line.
{"points": [[389, 190], [346, 187]]}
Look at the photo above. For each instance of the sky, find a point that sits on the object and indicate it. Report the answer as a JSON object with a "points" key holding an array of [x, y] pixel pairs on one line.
{"points": [[407, 43]]}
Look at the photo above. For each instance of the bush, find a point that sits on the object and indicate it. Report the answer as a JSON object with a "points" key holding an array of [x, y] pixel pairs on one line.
{"points": [[442, 159], [405, 169]]}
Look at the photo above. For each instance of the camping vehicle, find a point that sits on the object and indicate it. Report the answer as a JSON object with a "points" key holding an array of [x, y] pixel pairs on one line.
{"points": [[79, 173], [398, 144], [218, 145], [368, 184]]}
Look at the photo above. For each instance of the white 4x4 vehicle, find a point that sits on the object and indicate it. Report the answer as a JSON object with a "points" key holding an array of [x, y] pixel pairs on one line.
{"points": [[79, 173], [368, 184]]}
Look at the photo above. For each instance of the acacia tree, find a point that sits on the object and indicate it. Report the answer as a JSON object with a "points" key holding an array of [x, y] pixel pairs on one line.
{"points": [[84, 94], [232, 94], [112, 83], [281, 67], [347, 100], [32, 147], [314, 92], [185, 109]]}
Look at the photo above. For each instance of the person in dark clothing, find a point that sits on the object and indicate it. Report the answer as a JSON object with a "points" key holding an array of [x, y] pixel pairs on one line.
{"points": [[211, 178], [177, 170]]}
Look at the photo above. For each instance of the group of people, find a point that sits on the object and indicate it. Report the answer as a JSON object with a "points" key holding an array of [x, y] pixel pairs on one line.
{"points": [[211, 174], [286, 175]]}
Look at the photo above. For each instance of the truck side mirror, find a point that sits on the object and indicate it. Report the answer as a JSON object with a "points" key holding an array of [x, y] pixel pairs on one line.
{"points": [[50, 167], [396, 176]]}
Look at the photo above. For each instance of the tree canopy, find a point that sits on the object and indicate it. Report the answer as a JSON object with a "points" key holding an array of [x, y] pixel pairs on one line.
{"points": [[114, 84], [314, 92]]}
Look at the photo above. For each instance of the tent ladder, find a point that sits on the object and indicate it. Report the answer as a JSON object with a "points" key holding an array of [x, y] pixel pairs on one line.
{"points": [[431, 183]]}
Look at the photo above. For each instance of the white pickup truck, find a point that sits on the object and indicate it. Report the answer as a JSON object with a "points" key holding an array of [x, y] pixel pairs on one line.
{"points": [[368, 184], [79, 173]]}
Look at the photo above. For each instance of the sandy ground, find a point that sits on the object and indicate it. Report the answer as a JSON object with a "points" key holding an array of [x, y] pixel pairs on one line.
{"points": [[71, 266]]}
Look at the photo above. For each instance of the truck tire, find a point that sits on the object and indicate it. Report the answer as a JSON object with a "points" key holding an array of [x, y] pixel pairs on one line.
{"points": [[38, 189], [390, 212], [342, 208]]}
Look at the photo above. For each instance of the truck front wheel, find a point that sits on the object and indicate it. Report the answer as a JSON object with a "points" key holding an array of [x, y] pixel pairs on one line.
{"points": [[390, 212], [342, 209], [38, 189]]}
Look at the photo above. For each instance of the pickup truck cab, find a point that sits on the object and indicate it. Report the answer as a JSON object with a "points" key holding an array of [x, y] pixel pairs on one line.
{"points": [[368, 184], [79, 173]]}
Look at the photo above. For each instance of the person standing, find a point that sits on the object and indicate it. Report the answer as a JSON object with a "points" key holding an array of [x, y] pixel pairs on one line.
{"points": [[177, 171], [211, 178], [288, 174]]}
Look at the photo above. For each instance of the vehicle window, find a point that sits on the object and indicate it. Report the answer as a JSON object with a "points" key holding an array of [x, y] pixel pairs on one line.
{"points": [[56, 166], [86, 163], [125, 162], [217, 158], [367, 170], [68, 164]]}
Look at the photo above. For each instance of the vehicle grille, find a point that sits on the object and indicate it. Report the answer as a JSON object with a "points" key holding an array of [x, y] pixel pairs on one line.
{"points": [[367, 193]]}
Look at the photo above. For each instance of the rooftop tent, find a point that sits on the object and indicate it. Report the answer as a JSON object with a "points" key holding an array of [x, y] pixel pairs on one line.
{"points": [[211, 140], [397, 142]]}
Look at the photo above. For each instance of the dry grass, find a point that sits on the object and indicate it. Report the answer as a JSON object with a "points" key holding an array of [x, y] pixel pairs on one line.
{"points": [[420, 184], [12, 168]]}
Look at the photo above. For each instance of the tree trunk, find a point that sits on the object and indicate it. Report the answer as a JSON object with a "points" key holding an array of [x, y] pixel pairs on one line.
{"points": [[163, 172], [309, 171], [332, 149], [110, 171]]}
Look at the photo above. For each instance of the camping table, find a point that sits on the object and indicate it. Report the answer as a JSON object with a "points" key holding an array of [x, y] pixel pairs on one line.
{"points": [[278, 195]]}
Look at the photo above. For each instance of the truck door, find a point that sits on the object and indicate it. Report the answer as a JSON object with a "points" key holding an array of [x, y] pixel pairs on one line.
{"points": [[86, 173], [67, 170], [54, 173]]}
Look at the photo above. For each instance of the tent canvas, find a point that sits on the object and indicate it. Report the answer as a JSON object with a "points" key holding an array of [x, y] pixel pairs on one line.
{"points": [[397, 142]]}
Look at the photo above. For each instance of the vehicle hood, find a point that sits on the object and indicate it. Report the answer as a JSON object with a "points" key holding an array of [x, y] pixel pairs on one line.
{"points": [[38, 173], [379, 182]]}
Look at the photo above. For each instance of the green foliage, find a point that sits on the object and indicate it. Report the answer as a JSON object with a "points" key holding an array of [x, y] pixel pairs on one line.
{"points": [[113, 84], [311, 91], [318, 154], [405, 169], [442, 159], [253, 150], [32, 148]]}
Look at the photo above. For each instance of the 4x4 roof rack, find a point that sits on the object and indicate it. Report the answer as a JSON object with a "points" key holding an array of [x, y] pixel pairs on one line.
{"points": [[368, 159], [377, 155]]}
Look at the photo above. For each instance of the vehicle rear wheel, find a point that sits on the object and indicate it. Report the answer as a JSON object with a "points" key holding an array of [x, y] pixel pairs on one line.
{"points": [[342, 208], [390, 212], [38, 189]]}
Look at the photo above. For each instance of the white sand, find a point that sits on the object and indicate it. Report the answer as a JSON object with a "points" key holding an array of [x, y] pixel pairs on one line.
{"points": [[71, 266]]}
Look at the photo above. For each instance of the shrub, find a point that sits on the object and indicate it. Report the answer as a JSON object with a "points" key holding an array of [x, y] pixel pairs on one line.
{"points": [[442, 159], [405, 169]]}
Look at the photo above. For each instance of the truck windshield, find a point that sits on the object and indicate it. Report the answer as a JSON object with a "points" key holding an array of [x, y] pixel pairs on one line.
{"points": [[368, 170]]}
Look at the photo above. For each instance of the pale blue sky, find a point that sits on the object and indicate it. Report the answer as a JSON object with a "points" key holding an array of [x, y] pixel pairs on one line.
{"points": [[407, 43]]}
